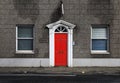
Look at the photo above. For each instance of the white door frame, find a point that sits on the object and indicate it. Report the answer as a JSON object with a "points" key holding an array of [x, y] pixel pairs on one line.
{"points": [[52, 27]]}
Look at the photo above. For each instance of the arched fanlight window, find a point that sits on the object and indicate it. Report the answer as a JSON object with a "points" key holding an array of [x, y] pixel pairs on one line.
{"points": [[61, 29]]}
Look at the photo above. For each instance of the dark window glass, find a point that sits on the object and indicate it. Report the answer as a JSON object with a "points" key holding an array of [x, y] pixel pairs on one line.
{"points": [[61, 29], [99, 44], [24, 44], [25, 32]]}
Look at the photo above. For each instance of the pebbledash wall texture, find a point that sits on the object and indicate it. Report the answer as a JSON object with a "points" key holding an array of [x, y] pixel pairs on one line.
{"points": [[86, 15]]}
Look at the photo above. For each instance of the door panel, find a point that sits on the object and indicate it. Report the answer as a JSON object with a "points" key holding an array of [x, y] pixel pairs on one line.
{"points": [[61, 49]]}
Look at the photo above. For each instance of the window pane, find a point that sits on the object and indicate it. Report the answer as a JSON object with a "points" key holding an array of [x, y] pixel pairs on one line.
{"points": [[99, 33], [61, 29], [99, 44], [25, 32], [25, 44], [56, 30]]}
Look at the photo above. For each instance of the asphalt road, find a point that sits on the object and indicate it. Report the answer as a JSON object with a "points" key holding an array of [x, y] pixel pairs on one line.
{"points": [[61, 79]]}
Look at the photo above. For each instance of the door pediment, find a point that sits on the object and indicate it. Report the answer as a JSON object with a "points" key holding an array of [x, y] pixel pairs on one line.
{"points": [[70, 25]]}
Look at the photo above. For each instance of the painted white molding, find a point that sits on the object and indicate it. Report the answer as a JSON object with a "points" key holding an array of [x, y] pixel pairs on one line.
{"points": [[23, 62], [52, 27], [97, 62]]}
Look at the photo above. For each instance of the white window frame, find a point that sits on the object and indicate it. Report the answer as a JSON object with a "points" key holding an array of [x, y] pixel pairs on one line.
{"points": [[100, 51], [23, 51]]}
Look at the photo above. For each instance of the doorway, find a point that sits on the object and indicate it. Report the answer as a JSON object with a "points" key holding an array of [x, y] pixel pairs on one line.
{"points": [[61, 46]]}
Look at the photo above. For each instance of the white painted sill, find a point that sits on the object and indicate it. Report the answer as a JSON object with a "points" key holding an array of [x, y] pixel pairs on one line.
{"points": [[24, 52], [100, 52]]}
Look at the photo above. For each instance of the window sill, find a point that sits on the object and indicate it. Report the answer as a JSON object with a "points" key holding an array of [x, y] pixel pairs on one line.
{"points": [[24, 52], [100, 52]]}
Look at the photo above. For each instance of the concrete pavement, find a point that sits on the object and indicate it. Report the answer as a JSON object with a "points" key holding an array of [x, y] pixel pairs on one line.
{"points": [[63, 70]]}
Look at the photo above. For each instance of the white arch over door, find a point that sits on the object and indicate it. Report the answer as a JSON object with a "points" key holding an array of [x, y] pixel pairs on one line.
{"points": [[52, 27]]}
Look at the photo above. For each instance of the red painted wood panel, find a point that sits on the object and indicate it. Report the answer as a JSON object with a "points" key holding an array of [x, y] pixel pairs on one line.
{"points": [[61, 49]]}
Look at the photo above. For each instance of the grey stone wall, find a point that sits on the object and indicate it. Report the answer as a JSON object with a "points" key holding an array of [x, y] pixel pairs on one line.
{"points": [[82, 13]]}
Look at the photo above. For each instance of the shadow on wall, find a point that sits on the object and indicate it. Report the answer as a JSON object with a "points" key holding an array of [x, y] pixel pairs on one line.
{"points": [[27, 8], [57, 13], [101, 9]]}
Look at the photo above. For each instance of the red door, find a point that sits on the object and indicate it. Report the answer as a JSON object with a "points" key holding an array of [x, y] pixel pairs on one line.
{"points": [[61, 49]]}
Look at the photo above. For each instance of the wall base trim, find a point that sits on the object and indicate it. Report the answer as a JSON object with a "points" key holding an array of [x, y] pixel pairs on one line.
{"points": [[24, 62], [97, 62]]}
